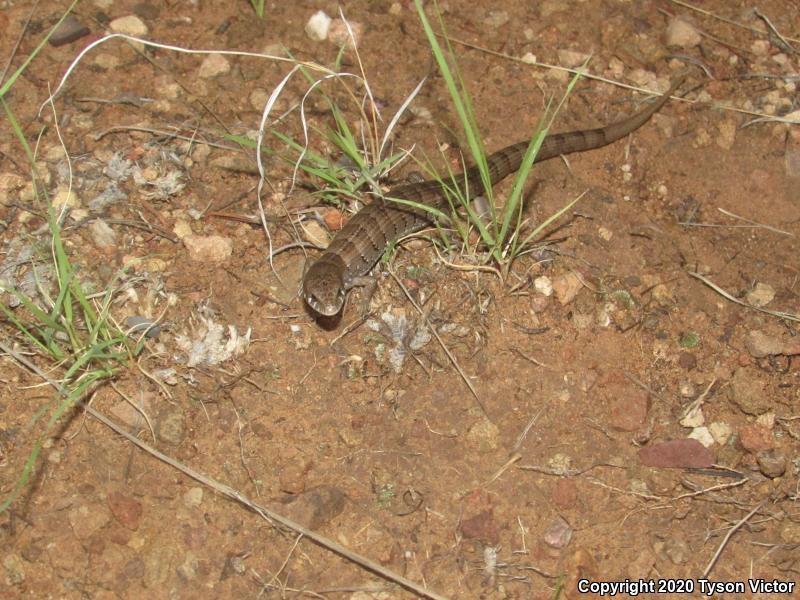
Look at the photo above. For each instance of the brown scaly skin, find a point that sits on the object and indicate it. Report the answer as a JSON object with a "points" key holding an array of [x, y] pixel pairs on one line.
{"points": [[361, 242]]}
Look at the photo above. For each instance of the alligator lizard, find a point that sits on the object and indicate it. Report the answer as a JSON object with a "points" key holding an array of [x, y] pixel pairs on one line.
{"points": [[361, 242]]}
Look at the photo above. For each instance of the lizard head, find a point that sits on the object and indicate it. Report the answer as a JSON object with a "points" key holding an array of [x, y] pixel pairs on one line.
{"points": [[323, 286]]}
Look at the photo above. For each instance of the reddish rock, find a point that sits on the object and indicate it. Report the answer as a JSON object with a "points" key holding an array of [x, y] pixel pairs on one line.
{"points": [[565, 493], [481, 527], [126, 510], [334, 219], [756, 438], [676, 454]]}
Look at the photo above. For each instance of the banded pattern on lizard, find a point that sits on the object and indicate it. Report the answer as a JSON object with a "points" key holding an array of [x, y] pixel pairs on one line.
{"points": [[360, 243]]}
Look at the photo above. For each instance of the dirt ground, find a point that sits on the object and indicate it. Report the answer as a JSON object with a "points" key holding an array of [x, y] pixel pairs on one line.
{"points": [[642, 419]]}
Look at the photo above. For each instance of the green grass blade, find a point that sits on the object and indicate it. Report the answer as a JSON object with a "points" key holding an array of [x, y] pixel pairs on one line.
{"points": [[18, 131], [460, 99]]}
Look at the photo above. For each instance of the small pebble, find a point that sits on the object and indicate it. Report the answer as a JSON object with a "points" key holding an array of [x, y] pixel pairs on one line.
{"points": [[721, 432], [770, 464], [543, 285], [70, 30], [130, 25], [171, 428], [760, 47], [702, 435], [318, 25], [102, 234], [214, 65], [558, 534], [761, 295], [210, 248], [571, 58], [339, 34], [315, 233], [136, 325], [497, 18], [678, 454], [682, 34], [566, 287], [66, 197]]}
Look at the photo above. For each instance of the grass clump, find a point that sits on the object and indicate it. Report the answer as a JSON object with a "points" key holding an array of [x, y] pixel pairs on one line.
{"points": [[74, 341]]}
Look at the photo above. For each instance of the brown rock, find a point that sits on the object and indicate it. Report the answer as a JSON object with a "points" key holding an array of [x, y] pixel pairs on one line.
{"points": [[677, 454], [314, 508], [71, 29], [210, 248], [293, 476], [747, 392], [481, 527], [760, 344], [567, 286], [126, 510], [771, 465], [687, 360], [756, 438]]}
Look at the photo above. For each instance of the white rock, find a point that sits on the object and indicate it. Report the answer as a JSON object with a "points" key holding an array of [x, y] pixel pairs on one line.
{"points": [[682, 34], [721, 432], [702, 435], [694, 419], [214, 65], [318, 25], [543, 285]]}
